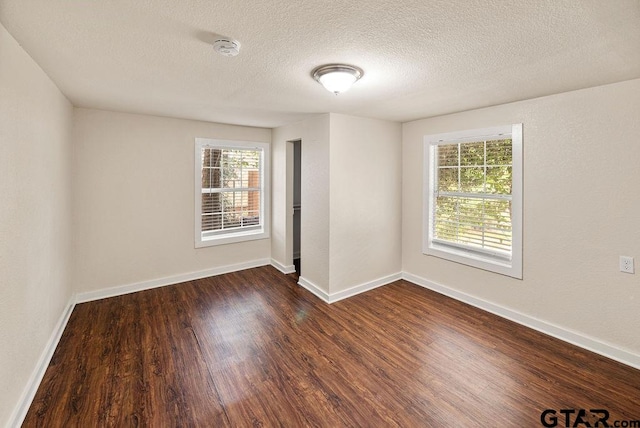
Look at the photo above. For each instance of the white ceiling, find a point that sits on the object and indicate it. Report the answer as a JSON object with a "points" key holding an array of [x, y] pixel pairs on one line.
{"points": [[421, 58]]}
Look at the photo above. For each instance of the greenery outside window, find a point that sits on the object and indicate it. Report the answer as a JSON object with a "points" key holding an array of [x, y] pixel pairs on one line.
{"points": [[231, 183], [473, 198]]}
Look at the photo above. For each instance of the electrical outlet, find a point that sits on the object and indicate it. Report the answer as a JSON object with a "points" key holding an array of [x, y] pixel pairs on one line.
{"points": [[626, 264]]}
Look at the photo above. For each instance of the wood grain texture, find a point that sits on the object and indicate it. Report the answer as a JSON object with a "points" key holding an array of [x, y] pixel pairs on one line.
{"points": [[252, 348]]}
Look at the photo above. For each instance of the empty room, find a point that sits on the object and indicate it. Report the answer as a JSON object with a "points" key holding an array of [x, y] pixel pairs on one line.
{"points": [[320, 213]]}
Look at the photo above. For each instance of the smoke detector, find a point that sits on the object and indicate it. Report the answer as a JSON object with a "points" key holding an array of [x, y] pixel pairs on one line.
{"points": [[227, 47]]}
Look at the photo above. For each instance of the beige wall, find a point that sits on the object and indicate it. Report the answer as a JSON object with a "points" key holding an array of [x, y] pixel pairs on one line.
{"points": [[314, 245], [351, 210], [581, 206], [365, 192], [133, 209], [35, 216]]}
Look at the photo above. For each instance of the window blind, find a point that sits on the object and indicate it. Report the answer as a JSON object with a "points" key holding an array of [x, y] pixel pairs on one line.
{"points": [[472, 194], [231, 189]]}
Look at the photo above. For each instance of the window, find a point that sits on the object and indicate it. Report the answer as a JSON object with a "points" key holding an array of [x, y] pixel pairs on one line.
{"points": [[473, 198], [231, 195]]}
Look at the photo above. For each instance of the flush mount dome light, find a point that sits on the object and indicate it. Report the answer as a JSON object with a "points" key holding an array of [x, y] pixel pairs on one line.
{"points": [[337, 78]]}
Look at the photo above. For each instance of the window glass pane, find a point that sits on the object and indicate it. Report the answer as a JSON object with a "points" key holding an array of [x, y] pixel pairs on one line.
{"points": [[472, 179], [498, 213], [253, 201], [498, 224], [231, 166], [447, 155], [211, 157], [252, 159], [499, 152], [228, 201], [216, 178], [211, 203], [206, 177], [470, 219], [472, 153], [211, 222], [446, 218], [232, 219], [499, 179], [210, 177], [448, 179], [446, 231], [251, 218]]}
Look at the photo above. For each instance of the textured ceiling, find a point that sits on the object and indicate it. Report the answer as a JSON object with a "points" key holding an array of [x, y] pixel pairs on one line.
{"points": [[421, 57]]}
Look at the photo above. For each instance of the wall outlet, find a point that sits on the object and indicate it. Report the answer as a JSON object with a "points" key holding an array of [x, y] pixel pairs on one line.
{"points": [[626, 264]]}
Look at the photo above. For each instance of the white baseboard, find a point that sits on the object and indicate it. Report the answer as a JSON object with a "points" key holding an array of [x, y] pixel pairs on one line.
{"points": [[303, 282], [161, 282], [283, 268], [352, 291], [29, 392], [590, 344], [361, 288]]}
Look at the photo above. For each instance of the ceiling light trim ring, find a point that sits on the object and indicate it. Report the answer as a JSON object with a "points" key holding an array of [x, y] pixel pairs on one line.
{"points": [[355, 73]]}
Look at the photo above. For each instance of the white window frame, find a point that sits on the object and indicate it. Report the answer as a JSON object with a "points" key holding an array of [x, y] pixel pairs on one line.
{"points": [[232, 236], [459, 254]]}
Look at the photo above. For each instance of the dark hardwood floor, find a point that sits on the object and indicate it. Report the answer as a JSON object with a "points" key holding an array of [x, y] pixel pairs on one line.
{"points": [[254, 349]]}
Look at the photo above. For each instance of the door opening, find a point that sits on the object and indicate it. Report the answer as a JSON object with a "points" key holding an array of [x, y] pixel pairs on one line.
{"points": [[297, 202]]}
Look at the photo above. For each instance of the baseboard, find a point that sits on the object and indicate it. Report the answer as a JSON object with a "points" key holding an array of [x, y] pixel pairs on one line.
{"points": [[590, 344], [303, 282], [361, 288], [20, 411], [161, 282], [282, 268], [350, 292]]}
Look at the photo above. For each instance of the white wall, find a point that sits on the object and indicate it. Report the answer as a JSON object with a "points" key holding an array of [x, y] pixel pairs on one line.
{"points": [[581, 205], [351, 210], [365, 192], [314, 245], [35, 216], [133, 209]]}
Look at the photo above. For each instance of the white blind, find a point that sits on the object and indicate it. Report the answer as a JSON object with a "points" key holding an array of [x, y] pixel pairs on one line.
{"points": [[231, 189], [472, 194]]}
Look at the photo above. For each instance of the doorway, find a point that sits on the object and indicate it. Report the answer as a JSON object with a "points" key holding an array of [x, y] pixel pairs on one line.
{"points": [[297, 202]]}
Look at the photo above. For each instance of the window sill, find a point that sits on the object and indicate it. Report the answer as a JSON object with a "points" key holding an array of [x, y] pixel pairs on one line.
{"points": [[480, 261], [231, 238]]}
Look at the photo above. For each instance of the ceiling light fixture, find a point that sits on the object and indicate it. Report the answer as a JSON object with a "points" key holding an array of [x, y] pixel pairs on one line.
{"points": [[337, 78]]}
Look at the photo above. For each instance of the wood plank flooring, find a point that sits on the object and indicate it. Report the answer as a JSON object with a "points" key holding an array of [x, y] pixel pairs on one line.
{"points": [[252, 348]]}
